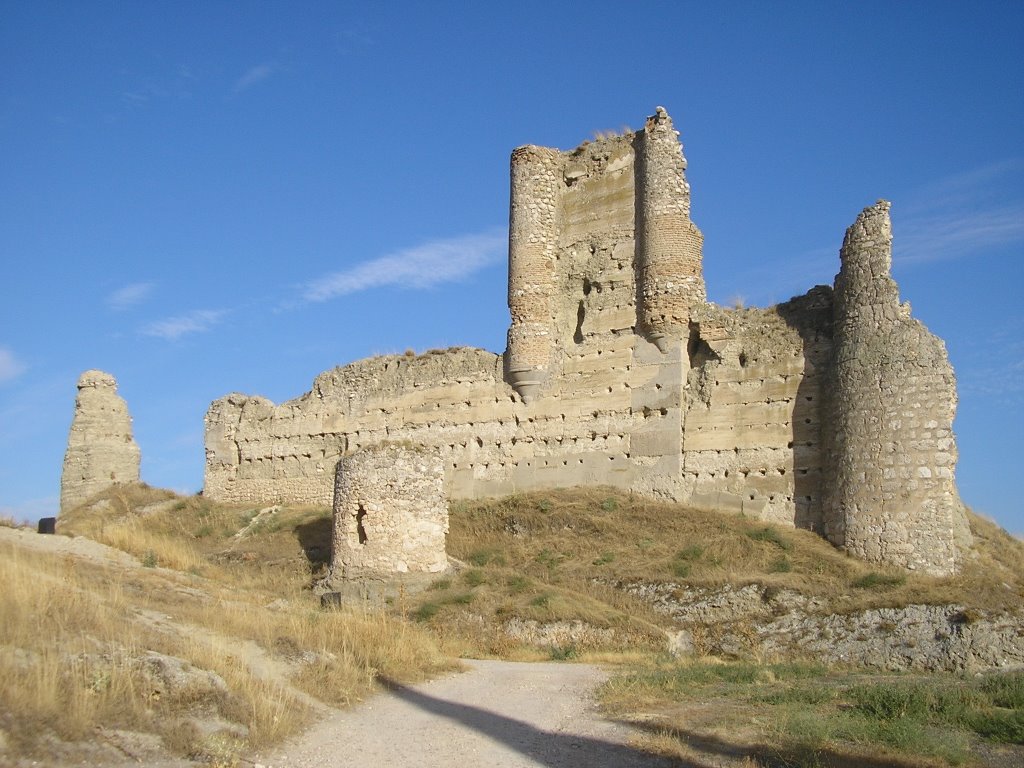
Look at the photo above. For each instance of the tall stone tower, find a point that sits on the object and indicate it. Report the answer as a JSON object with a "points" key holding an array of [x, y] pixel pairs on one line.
{"points": [[101, 451], [532, 242], [668, 243], [891, 496]]}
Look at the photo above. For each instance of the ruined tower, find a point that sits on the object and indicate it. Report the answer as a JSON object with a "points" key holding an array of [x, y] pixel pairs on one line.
{"points": [[390, 515], [532, 239], [101, 451], [892, 398], [668, 243]]}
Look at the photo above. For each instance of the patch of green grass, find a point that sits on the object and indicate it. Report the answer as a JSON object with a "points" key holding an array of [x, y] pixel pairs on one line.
{"points": [[149, 559], [440, 584], [876, 580], [605, 558], [781, 565], [564, 652], [550, 559], [541, 601], [815, 712], [474, 577], [517, 584], [609, 505], [465, 598], [486, 556], [690, 553], [426, 611], [681, 570], [771, 535]]}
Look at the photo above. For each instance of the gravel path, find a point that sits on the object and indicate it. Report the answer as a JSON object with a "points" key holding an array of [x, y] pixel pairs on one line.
{"points": [[498, 714]]}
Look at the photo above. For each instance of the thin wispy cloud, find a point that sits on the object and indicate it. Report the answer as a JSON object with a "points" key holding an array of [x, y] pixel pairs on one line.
{"points": [[961, 215], [424, 266], [10, 366], [925, 239], [129, 296], [173, 328], [255, 75]]}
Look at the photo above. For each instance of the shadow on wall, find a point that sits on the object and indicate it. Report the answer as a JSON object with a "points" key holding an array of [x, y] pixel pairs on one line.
{"points": [[542, 748], [315, 539], [810, 315]]}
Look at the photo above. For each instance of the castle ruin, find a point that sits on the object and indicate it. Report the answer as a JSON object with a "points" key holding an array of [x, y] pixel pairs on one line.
{"points": [[101, 451], [831, 412]]}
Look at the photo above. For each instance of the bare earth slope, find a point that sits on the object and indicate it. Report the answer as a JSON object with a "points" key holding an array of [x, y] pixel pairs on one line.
{"points": [[499, 714]]}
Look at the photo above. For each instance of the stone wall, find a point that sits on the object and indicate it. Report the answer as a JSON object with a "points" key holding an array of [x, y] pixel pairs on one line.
{"points": [[101, 451], [892, 400], [619, 372], [390, 513]]}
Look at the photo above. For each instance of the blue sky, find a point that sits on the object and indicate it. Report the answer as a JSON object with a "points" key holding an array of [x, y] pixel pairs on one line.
{"points": [[210, 197]]}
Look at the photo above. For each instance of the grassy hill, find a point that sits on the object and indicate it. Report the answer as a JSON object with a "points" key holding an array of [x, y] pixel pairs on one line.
{"points": [[210, 641]]}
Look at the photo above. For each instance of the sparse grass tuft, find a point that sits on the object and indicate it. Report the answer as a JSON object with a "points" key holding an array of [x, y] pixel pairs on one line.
{"points": [[875, 580]]}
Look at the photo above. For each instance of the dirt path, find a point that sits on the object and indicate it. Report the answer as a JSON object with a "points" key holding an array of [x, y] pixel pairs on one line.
{"points": [[498, 714]]}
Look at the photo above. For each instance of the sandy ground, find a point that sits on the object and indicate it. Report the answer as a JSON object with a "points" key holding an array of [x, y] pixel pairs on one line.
{"points": [[498, 714]]}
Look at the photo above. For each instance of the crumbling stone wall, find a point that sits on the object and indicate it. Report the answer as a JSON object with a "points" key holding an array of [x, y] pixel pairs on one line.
{"points": [[101, 451], [892, 400], [752, 432], [619, 372], [390, 513]]}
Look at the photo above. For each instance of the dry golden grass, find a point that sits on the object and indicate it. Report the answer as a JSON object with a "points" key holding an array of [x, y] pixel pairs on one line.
{"points": [[574, 538], [233, 591], [74, 632]]}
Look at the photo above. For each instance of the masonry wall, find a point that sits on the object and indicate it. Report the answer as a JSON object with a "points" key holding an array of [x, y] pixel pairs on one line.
{"points": [[753, 427], [585, 394]]}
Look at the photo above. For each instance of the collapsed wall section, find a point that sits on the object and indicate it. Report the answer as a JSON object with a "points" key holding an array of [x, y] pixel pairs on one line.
{"points": [[892, 399], [101, 451]]}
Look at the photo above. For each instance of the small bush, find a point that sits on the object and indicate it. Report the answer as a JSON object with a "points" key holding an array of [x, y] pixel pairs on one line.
{"points": [[541, 601], [474, 577], [606, 557], [440, 584], [609, 505], [149, 559], [781, 565]]}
